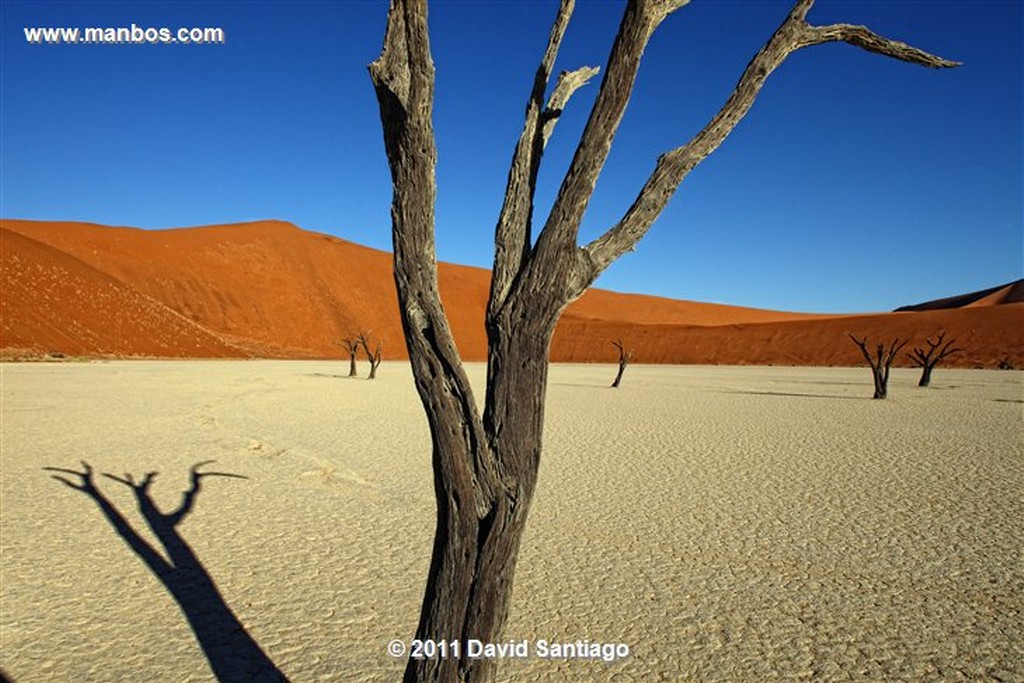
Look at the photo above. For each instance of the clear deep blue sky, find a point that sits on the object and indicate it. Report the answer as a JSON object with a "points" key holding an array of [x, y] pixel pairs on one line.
{"points": [[856, 183]]}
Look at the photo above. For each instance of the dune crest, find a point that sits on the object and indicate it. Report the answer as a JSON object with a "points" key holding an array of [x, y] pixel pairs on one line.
{"points": [[273, 290], [1010, 293]]}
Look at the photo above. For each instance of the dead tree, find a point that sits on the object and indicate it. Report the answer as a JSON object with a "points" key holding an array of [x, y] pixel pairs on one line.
{"points": [[375, 356], [624, 358], [881, 362], [351, 345], [485, 464], [928, 360]]}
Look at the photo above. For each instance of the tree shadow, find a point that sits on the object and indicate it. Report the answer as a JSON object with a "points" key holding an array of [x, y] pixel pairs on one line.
{"points": [[785, 393], [232, 653]]}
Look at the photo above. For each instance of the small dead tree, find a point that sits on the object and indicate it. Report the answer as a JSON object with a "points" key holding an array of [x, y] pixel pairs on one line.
{"points": [[351, 344], [485, 464], [927, 360], [624, 358], [375, 356], [880, 362]]}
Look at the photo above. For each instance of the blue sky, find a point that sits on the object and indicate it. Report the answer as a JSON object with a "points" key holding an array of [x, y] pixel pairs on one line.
{"points": [[856, 183]]}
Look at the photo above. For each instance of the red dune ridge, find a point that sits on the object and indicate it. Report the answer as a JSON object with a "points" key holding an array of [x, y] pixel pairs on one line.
{"points": [[269, 289]]}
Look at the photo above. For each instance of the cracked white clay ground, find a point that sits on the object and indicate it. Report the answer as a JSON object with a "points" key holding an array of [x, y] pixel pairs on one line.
{"points": [[727, 524]]}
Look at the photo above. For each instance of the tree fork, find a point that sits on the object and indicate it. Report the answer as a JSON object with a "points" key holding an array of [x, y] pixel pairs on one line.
{"points": [[927, 360], [351, 345], [373, 357], [880, 363], [474, 555]]}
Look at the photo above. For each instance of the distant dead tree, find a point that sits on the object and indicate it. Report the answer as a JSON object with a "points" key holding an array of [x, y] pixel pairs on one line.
{"points": [[927, 360], [624, 358], [351, 344], [375, 356], [485, 464], [881, 362]]}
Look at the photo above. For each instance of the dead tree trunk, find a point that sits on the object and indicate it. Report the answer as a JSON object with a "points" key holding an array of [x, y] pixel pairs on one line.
{"points": [[485, 466], [880, 363], [624, 358], [374, 357], [927, 360], [352, 346]]}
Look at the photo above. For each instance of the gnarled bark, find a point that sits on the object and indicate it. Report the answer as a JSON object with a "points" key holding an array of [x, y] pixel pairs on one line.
{"points": [[485, 466]]}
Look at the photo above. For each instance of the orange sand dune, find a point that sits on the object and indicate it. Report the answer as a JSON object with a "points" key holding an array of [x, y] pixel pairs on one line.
{"points": [[989, 335], [270, 289], [52, 302], [1010, 293], [600, 304]]}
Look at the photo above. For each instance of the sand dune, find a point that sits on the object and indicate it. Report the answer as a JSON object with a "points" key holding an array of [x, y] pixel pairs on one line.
{"points": [[1010, 293], [80, 310], [269, 289], [600, 304], [988, 335]]}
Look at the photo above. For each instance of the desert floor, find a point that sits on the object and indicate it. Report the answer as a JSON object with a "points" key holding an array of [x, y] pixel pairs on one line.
{"points": [[726, 523]]}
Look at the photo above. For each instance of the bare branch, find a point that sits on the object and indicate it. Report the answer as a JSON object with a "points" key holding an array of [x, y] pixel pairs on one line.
{"points": [[403, 78], [947, 351], [639, 22], [862, 344], [894, 349], [928, 358], [350, 344], [800, 10], [364, 341], [864, 38], [624, 355], [513, 232], [672, 167], [568, 83]]}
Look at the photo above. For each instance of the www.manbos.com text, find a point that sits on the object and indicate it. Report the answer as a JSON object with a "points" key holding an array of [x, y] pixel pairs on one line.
{"points": [[124, 35]]}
